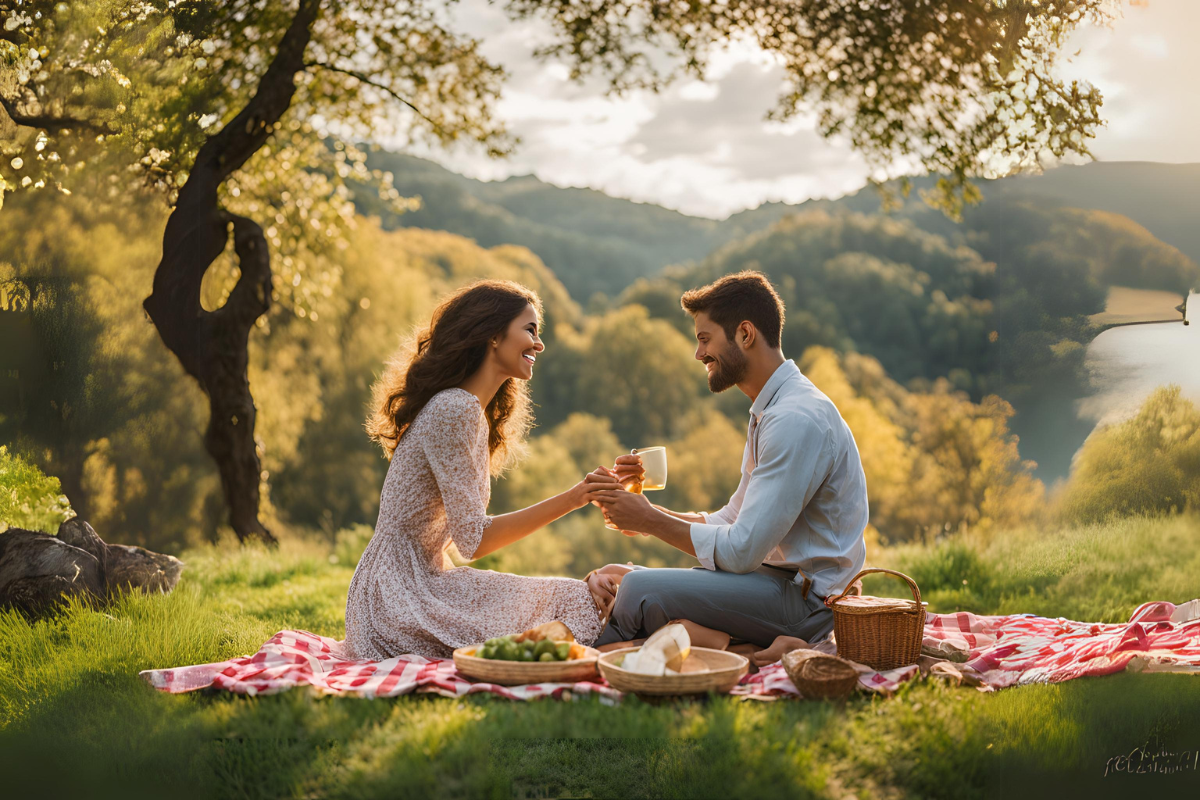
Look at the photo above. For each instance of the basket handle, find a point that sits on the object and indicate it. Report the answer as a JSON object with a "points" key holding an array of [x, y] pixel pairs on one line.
{"points": [[829, 601]]}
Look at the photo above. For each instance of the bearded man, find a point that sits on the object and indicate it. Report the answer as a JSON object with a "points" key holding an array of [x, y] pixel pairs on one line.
{"points": [[791, 535]]}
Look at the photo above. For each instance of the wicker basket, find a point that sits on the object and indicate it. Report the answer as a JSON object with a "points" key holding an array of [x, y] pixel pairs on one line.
{"points": [[521, 673], [883, 633], [725, 669], [819, 674]]}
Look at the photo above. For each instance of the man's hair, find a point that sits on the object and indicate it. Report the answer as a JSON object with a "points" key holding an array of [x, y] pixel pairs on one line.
{"points": [[742, 296]]}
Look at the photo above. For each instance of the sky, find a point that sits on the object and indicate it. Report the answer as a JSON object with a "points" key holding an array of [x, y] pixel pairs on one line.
{"points": [[706, 150]]}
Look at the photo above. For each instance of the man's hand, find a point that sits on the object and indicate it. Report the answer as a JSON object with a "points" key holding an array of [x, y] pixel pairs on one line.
{"points": [[604, 478], [628, 469], [604, 592], [628, 511]]}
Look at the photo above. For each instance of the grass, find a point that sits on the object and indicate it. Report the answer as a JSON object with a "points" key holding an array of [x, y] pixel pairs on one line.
{"points": [[75, 718]]}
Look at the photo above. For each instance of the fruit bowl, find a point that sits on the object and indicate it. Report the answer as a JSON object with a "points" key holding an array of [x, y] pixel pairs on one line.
{"points": [[725, 669], [519, 673]]}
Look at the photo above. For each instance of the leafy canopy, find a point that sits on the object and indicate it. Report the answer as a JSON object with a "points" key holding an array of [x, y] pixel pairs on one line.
{"points": [[961, 89], [950, 87], [124, 94]]}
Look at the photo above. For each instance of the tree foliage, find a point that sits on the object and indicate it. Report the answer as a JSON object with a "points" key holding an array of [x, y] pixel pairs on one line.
{"points": [[954, 88], [935, 461]]}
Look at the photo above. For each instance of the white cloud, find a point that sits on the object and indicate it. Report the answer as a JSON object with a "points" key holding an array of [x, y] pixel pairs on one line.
{"points": [[1150, 46]]}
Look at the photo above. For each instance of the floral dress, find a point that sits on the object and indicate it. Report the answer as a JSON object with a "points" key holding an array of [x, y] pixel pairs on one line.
{"points": [[406, 596]]}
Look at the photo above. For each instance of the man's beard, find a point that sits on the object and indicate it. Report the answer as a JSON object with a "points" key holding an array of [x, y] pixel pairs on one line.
{"points": [[730, 370]]}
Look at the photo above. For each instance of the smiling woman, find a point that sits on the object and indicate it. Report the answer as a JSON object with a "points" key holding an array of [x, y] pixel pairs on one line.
{"points": [[449, 418]]}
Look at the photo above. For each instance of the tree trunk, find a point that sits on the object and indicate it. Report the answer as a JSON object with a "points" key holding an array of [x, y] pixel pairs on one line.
{"points": [[212, 345]]}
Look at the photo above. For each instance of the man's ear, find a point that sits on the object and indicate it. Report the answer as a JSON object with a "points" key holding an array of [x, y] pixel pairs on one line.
{"points": [[746, 334]]}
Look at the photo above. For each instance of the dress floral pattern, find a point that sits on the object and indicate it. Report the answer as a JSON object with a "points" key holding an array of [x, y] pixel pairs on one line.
{"points": [[406, 596]]}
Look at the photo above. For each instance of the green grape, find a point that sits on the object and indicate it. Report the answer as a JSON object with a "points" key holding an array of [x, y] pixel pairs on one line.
{"points": [[543, 647], [562, 650], [546, 657]]}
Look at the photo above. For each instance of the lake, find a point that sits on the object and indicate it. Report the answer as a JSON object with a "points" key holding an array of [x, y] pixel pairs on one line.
{"points": [[1125, 364]]}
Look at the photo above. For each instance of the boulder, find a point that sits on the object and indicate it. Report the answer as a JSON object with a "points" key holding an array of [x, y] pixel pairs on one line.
{"points": [[38, 571]]}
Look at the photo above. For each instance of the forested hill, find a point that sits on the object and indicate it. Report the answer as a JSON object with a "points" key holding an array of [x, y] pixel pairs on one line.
{"points": [[593, 242], [1162, 198], [597, 243]]}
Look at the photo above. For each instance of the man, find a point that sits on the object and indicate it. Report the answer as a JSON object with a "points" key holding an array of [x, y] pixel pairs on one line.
{"points": [[792, 534]]}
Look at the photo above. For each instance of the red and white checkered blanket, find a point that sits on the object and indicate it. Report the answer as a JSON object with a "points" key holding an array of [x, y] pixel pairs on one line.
{"points": [[988, 652]]}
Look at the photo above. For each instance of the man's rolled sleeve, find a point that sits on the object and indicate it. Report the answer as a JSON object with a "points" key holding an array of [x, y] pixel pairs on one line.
{"points": [[722, 517], [704, 540]]}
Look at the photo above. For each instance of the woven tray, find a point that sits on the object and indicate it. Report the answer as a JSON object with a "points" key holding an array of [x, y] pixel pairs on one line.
{"points": [[817, 674], [519, 673], [725, 670]]}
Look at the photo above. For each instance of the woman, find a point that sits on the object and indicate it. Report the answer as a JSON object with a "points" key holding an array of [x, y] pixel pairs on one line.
{"points": [[449, 420]]}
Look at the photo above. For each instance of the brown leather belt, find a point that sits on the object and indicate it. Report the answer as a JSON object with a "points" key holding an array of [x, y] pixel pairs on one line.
{"points": [[804, 587]]}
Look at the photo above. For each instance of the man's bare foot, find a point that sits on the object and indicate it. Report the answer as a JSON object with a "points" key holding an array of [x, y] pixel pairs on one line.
{"points": [[746, 649], [778, 648]]}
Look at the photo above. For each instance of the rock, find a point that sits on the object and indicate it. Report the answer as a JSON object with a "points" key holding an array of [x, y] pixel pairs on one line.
{"points": [[131, 566], [37, 570], [79, 534]]}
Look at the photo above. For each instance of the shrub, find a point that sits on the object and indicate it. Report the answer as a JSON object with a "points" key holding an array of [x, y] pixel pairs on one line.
{"points": [[1149, 464], [28, 498]]}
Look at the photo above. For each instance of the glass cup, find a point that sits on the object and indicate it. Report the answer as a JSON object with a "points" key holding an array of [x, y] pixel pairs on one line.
{"points": [[654, 462]]}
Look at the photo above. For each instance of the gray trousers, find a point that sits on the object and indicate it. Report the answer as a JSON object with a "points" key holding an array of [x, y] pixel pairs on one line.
{"points": [[754, 607]]}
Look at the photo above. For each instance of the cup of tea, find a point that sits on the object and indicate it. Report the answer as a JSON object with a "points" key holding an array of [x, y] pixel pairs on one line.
{"points": [[654, 464]]}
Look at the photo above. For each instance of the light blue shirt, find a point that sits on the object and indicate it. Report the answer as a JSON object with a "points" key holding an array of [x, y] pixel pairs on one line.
{"points": [[802, 499]]}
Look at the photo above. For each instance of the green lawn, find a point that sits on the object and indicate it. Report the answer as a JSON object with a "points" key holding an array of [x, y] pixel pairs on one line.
{"points": [[75, 718]]}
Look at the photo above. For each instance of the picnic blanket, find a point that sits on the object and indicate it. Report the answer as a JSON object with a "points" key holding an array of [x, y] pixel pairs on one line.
{"points": [[992, 652], [986, 652]]}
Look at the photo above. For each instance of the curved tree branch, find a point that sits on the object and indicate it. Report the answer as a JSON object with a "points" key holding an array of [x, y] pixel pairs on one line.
{"points": [[48, 123], [381, 87]]}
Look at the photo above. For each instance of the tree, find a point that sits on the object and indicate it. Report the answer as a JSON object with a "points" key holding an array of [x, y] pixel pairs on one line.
{"points": [[228, 110], [114, 86]]}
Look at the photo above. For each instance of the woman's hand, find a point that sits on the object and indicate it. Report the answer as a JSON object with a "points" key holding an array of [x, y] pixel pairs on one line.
{"points": [[585, 491]]}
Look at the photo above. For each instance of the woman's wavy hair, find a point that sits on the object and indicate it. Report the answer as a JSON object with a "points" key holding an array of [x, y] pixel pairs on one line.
{"points": [[445, 354]]}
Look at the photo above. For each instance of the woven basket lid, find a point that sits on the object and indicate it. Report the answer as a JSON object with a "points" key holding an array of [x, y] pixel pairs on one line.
{"points": [[877, 603]]}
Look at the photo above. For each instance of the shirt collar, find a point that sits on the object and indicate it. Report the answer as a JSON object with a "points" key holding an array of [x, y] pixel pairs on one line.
{"points": [[781, 374]]}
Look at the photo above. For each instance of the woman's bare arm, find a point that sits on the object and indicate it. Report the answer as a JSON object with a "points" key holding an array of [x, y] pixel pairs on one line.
{"points": [[516, 525]]}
